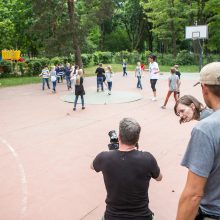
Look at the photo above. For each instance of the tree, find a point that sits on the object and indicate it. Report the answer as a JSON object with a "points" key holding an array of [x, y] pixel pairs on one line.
{"points": [[73, 28], [168, 18]]}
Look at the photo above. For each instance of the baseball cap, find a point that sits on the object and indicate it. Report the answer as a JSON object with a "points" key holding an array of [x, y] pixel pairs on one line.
{"points": [[210, 74]]}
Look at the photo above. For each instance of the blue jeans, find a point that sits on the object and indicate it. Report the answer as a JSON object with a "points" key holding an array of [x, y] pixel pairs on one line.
{"points": [[76, 99], [45, 80], [54, 85], [109, 86], [99, 83], [68, 82], [124, 71], [139, 82]]}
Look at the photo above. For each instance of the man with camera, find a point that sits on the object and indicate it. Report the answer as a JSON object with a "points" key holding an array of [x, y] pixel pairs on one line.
{"points": [[127, 173]]}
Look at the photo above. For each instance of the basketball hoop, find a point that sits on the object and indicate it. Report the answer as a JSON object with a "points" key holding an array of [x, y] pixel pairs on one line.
{"points": [[197, 32]]}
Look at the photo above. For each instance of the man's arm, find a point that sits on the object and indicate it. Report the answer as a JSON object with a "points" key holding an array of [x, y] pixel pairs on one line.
{"points": [[191, 197]]}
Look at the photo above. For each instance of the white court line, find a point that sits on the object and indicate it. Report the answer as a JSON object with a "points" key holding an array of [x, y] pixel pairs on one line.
{"points": [[22, 177]]}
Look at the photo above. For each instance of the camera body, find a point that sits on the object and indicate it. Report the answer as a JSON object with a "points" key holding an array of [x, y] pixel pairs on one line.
{"points": [[114, 144]]}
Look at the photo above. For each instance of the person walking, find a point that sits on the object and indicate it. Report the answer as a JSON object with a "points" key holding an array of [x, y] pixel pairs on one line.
{"points": [[79, 89], [100, 73], [178, 74], [109, 75], [173, 82], [45, 77], [189, 108], [124, 67], [127, 173], [67, 75], [154, 74], [200, 198], [53, 77], [138, 74]]}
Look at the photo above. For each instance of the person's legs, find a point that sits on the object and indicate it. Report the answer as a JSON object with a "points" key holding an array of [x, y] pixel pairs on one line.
{"points": [[167, 98], [43, 83], [82, 101], [175, 95], [47, 81], [75, 102], [153, 86], [139, 82], [54, 86], [68, 82]]}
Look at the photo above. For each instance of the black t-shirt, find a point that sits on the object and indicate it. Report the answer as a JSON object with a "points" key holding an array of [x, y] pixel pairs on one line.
{"points": [[126, 176], [178, 74], [100, 71]]}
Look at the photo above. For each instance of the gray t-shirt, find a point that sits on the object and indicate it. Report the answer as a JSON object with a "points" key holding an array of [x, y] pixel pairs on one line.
{"points": [[205, 113], [202, 157], [174, 79]]}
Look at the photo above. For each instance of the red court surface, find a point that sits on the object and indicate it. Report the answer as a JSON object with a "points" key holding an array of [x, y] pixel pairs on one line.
{"points": [[46, 149]]}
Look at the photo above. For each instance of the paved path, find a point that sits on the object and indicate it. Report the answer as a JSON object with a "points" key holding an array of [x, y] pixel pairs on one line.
{"points": [[46, 149]]}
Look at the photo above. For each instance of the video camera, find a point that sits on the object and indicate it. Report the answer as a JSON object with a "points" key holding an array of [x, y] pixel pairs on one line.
{"points": [[114, 144]]}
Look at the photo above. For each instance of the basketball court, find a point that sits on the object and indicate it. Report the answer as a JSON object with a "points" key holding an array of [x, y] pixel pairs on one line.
{"points": [[46, 148]]}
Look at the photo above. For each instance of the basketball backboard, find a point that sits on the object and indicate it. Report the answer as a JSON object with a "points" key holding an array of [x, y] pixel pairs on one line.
{"points": [[196, 32]]}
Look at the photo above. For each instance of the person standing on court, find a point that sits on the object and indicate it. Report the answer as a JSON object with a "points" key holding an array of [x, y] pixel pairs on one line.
{"points": [[127, 173], [138, 74], [124, 67], [154, 74], [100, 73], [45, 77], [79, 89], [173, 82], [200, 198], [178, 74]]}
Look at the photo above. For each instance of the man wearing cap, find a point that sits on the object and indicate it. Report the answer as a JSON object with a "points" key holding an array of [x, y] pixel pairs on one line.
{"points": [[200, 199]]}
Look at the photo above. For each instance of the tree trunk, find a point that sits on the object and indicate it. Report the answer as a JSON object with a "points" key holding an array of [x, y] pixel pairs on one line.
{"points": [[78, 58]]}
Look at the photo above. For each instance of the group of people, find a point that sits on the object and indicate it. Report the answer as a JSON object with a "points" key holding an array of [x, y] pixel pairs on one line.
{"points": [[73, 76], [104, 76], [127, 171]]}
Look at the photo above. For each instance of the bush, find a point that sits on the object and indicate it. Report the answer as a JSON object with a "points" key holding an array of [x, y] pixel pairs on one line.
{"points": [[102, 57], [86, 59], [22, 67], [5, 67], [184, 58], [56, 60], [165, 59]]}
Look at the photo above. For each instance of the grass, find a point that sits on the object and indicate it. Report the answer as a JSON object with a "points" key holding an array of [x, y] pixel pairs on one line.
{"points": [[14, 81], [89, 71]]}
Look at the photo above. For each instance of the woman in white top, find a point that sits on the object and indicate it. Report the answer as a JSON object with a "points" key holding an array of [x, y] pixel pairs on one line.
{"points": [[154, 74], [109, 75], [138, 74]]}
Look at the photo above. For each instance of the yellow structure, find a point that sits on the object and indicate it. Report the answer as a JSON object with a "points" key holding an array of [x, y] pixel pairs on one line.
{"points": [[11, 54]]}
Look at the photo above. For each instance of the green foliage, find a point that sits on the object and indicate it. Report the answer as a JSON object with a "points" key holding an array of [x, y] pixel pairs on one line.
{"points": [[184, 58], [5, 67], [22, 66], [102, 57], [86, 58], [56, 60]]}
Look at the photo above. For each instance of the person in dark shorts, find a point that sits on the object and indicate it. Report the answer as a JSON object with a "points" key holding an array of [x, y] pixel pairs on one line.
{"points": [[127, 173], [100, 76], [154, 74]]}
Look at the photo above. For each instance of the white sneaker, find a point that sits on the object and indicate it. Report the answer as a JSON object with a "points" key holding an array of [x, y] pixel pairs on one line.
{"points": [[154, 99]]}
